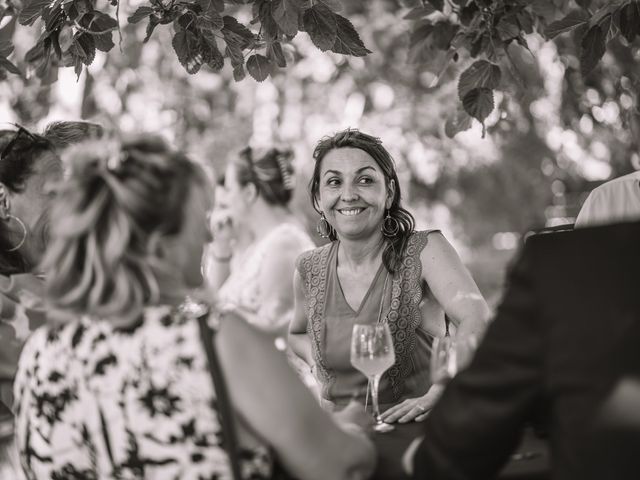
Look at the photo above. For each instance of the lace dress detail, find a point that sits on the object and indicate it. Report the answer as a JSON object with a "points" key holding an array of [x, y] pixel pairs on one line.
{"points": [[403, 315], [96, 402], [242, 288]]}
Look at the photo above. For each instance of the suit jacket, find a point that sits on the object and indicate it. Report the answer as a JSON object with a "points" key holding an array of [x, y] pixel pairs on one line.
{"points": [[566, 332]]}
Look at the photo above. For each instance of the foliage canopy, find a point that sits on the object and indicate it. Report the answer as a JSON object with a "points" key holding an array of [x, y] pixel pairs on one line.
{"points": [[255, 36]]}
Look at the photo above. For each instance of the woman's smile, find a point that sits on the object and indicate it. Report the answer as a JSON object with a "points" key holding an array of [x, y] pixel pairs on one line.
{"points": [[351, 211]]}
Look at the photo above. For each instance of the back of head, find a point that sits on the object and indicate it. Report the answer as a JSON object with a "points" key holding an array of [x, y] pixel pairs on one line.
{"points": [[121, 198], [271, 171]]}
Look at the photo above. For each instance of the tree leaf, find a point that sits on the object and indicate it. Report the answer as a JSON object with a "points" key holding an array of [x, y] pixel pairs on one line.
{"points": [[593, 48], [457, 122], [348, 41], [584, 3], [526, 21], [478, 103], [140, 14], [236, 33], [334, 5], [234, 52], [508, 28], [544, 9], [154, 21], [285, 13], [84, 47], [481, 74], [211, 20], [574, 19], [630, 21], [419, 12], [275, 53], [65, 38], [31, 11], [437, 4], [8, 66], [5, 48], [259, 67], [102, 22], [104, 42], [238, 72], [320, 23], [214, 58], [187, 48]]}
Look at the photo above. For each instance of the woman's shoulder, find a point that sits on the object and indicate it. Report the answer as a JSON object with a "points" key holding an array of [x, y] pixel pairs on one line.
{"points": [[312, 256], [291, 236], [419, 239]]}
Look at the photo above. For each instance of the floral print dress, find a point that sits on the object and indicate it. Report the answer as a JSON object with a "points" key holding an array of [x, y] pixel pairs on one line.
{"points": [[94, 402]]}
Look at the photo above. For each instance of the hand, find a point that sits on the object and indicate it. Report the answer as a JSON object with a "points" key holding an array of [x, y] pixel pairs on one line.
{"points": [[223, 233], [413, 409]]}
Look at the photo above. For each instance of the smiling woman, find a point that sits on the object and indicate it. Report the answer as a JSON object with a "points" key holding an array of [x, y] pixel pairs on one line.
{"points": [[372, 272]]}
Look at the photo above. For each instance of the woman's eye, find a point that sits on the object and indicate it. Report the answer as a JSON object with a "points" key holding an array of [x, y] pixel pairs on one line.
{"points": [[365, 180], [333, 182]]}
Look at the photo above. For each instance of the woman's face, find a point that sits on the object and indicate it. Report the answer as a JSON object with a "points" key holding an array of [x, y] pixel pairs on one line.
{"points": [[189, 244], [353, 194], [32, 204]]}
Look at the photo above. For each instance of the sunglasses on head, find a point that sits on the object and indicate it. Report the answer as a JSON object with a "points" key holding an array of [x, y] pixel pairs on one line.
{"points": [[23, 134]]}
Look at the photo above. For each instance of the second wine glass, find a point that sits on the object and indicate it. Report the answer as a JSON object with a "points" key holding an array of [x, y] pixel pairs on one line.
{"points": [[372, 353]]}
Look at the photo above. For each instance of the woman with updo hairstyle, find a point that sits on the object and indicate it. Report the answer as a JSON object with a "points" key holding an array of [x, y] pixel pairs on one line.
{"points": [[371, 272], [125, 388], [259, 185]]}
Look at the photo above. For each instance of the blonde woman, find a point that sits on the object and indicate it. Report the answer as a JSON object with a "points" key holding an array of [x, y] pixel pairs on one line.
{"points": [[123, 390]]}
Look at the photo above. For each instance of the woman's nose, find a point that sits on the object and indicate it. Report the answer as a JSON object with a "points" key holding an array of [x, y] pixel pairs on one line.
{"points": [[349, 193]]}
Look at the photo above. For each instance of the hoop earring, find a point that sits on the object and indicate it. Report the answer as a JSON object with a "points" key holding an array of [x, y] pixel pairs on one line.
{"points": [[24, 232], [323, 227], [390, 226]]}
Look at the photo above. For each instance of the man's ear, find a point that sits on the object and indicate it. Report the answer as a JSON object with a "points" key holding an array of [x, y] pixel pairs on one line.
{"points": [[5, 204], [391, 192]]}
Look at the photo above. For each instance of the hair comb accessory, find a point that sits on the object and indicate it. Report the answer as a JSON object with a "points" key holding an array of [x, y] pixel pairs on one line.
{"points": [[282, 159]]}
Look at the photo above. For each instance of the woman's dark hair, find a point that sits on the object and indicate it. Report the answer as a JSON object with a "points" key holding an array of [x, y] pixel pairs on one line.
{"points": [[352, 138], [271, 172], [19, 151]]}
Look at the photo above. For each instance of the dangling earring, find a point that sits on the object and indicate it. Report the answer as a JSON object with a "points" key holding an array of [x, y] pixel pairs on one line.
{"points": [[323, 227], [24, 232], [390, 226]]}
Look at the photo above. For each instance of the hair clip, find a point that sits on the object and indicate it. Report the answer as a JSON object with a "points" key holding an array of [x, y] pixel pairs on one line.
{"points": [[287, 178]]}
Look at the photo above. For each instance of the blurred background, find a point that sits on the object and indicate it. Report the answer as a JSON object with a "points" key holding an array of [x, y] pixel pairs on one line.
{"points": [[553, 136]]}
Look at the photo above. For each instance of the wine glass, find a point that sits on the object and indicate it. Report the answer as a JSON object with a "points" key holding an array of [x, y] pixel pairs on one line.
{"points": [[450, 355], [372, 353]]}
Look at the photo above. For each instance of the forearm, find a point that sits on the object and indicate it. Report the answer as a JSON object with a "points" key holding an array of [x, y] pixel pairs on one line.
{"points": [[218, 269], [471, 319]]}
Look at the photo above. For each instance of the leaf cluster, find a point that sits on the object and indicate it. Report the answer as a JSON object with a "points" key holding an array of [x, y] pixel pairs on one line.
{"points": [[206, 32], [445, 30]]}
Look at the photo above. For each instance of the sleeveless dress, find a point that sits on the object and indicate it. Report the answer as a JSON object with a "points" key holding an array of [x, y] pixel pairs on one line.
{"points": [[242, 287], [395, 299], [94, 402]]}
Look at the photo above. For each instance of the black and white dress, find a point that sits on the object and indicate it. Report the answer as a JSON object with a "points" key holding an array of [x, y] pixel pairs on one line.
{"points": [[93, 402]]}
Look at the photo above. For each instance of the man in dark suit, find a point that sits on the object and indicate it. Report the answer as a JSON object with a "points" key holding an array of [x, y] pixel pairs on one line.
{"points": [[566, 339]]}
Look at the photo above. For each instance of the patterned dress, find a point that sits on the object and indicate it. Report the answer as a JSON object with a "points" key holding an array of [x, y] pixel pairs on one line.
{"points": [[94, 402], [242, 288], [396, 299]]}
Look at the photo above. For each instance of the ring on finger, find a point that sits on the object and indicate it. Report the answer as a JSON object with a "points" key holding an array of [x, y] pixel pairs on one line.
{"points": [[422, 409]]}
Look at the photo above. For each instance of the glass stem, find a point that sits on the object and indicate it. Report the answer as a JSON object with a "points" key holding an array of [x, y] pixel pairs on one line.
{"points": [[375, 384]]}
